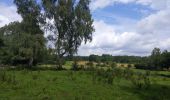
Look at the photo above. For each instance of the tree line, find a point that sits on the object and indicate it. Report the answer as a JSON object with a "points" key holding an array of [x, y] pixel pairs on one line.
{"points": [[156, 60]]}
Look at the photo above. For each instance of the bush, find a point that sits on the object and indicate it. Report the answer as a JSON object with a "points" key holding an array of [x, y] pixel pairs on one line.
{"points": [[128, 73], [103, 65], [75, 66], [82, 67], [142, 66], [98, 64], [130, 66], [105, 76], [140, 80], [90, 64], [113, 65]]}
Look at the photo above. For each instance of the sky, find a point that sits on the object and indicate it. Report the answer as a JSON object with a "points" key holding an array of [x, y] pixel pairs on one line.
{"points": [[122, 27]]}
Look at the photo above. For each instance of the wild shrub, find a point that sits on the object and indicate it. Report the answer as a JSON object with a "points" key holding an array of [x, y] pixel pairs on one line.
{"points": [[128, 73], [103, 65], [107, 62], [90, 68], [113, 65], [90, 64], [82, 67], [129, 66], [75, 66], [110, 76], [105, 76], [141, 80], [117, 72], [122, 65], [98, 65]]}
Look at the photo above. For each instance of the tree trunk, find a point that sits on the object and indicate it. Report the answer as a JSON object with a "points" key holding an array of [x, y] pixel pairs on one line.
{"points": [[59, 63], [30, 62]]}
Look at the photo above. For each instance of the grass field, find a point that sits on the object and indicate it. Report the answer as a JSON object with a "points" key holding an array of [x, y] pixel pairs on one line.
{"points": [[79, 85]]}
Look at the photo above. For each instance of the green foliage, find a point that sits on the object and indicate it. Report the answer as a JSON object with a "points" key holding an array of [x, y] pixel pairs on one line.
{"points": [[23, 42], [156, 58], [113, 65], [141, 80], [94, 58], [165, 59], [75, 66], [71, 26]]}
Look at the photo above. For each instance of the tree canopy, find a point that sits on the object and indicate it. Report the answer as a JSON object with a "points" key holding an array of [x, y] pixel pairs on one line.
{"points": [[71, 25], [24, 42]]}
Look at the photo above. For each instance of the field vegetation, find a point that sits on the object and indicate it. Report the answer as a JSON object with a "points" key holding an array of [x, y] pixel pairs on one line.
{"points": [[39, 61]]}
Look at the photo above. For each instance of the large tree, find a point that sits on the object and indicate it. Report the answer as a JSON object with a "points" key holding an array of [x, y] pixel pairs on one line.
{"points": [[70, 23], [156, 58], [165, 62], [11, 37], [31, 14], [24, 41]]}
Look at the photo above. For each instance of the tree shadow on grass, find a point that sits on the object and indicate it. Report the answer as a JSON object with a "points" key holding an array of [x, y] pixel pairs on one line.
{"points": [[164, 75], [154, 92], [34, 68]]}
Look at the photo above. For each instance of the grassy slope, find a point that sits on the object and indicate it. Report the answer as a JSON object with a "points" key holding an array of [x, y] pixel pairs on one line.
{"points": [[65, 85]]}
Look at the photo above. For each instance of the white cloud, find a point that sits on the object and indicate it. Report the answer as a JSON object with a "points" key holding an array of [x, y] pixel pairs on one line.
{"points": [[152, 31], [137, 37], [155, 4], [107, 40], [8, 14], [158, 23]]}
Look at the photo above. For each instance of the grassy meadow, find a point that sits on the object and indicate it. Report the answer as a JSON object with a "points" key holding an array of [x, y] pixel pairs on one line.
{"points": [[84, 84]]}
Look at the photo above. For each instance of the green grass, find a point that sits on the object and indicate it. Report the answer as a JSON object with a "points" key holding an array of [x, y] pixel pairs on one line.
{"points": [[68, 85]]}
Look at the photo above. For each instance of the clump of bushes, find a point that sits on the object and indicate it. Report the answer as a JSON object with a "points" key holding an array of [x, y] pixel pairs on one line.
{"points": [[75, 66], [113, 65], [141, 66], [105, 76], [90, 64], [141, 80], [129, 66], [128, 73]]}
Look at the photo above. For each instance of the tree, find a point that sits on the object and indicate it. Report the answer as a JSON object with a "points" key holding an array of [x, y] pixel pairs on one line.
{"points": [[1, 43], [31, 30], [156, 58], [10, 37], [165, 59], [106, 57], [71, 25], [94, 58]]}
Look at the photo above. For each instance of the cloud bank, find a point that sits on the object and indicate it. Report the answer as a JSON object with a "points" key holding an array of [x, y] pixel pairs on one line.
{"points": [[148, 32]]}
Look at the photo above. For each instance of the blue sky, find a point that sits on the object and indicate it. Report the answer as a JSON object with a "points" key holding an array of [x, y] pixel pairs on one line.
{"points": [[123, 27]]}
